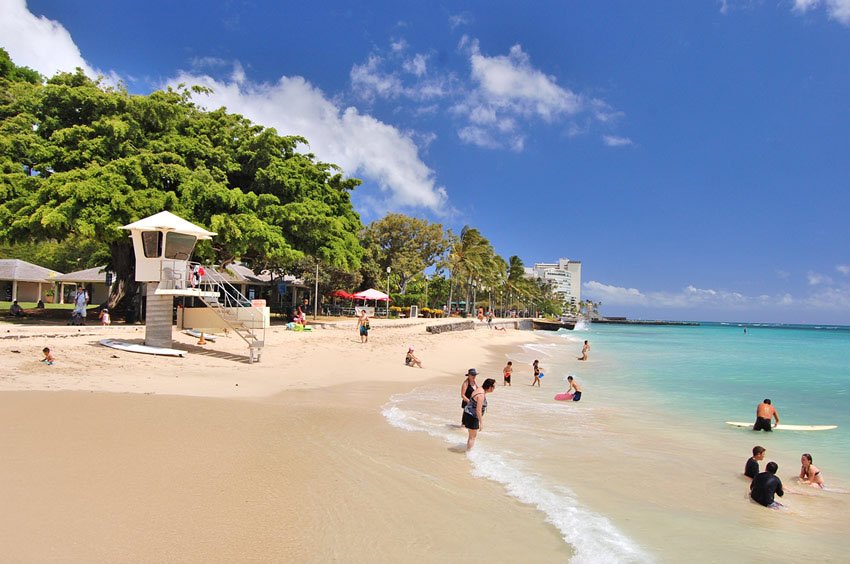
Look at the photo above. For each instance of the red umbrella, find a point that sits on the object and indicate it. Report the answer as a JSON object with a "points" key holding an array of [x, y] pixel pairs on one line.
{"points": [[341, 294]]}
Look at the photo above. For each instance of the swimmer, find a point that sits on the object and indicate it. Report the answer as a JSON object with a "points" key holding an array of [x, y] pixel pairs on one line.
{"points": [[809, 473], [584, 350], [765, 485], [751, 469], [764, 412]]}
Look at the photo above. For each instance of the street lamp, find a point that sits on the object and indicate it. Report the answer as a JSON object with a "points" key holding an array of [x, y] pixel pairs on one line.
{"points": [[389, 269]]}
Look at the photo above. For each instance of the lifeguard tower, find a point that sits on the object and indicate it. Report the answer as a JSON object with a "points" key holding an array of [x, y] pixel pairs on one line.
{"points": [[163, 245]]}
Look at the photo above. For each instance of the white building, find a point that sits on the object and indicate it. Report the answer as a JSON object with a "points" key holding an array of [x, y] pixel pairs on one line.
{"points": [[565, 276]]}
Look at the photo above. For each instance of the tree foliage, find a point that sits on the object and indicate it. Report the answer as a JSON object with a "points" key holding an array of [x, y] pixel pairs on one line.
{"points": [[405, 244], [80, 159]]}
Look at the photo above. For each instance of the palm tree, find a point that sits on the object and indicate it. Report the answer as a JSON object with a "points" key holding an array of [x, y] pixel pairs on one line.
{"points": [[468, 256]]}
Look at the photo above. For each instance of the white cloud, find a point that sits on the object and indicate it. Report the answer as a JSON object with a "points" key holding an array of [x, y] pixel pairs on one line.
{"points": [[510, 82], [369, 82], [687, 298], [843, 269], [816, 279], [838, 10], [459, 20], [41, 43], [418, 65], [360, 144], [398, 46], [614, 141]]}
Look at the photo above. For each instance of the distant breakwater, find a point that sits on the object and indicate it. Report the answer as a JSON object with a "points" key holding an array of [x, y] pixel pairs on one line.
{"points": [[624, 321]]}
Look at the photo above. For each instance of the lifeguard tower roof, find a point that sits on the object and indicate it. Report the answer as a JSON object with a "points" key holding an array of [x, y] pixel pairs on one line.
{"points": [[167, 221]]}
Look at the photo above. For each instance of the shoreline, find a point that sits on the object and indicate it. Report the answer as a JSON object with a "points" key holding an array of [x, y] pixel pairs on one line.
{"points": [[137, 464]]}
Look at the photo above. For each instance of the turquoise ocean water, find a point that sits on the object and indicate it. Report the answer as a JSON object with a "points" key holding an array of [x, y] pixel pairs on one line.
{"points": [[644, 468], [715, 372]]}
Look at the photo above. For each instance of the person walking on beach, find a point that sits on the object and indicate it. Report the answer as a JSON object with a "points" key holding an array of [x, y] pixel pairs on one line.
{"points": [[473, 413], [536, 367], [765, 485], [809, 473], [764, 412], [574, 387], [751, 469], [584, 350], [363, 326], [81, 300], [506, 373]]}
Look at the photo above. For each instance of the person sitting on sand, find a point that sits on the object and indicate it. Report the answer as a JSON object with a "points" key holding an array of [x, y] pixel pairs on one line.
{"points": [[48, 356], [809, 473], [473, 413], [584, 350], [751, 469], [574, 388], [411, 360], [765, 485], [15, 310], [105, 318], [764, 412], [506, 373]]}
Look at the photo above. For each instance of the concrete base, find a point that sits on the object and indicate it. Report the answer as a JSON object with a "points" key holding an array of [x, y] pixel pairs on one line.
{"points": [[158, 318]]}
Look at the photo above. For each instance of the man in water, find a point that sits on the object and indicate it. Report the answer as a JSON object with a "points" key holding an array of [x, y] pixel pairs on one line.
{"points": [[765, 485], [751, 469], [574, 388], [764, 412]]}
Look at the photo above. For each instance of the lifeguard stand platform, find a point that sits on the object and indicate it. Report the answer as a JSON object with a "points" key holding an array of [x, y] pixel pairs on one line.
{"points": [[163, 245]]}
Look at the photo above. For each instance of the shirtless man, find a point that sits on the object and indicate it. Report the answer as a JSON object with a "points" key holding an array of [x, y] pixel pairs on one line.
{"points": [[809, 473], [584, 350], [574, 388], [764, 412]]}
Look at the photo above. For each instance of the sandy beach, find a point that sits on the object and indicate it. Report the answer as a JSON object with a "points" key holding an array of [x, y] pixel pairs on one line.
{"points": [[117, 456]]}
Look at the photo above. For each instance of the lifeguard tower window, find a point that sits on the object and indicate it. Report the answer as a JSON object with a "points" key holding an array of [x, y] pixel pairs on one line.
{"points": [[179, 246], [152, 243]]}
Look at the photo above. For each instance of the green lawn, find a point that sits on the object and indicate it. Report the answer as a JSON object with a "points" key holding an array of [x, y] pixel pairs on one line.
{"points": [[4, 306]]}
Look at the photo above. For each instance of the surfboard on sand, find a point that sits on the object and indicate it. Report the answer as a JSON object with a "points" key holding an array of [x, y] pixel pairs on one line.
{"points": [[197, 335], [784, 427], [563, 397], [144, 349]]}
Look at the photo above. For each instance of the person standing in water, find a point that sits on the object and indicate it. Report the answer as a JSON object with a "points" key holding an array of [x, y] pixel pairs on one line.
{"points": [[585, 349], [575, 388], [809, 473], [764, 412], [473, 413], [536, 367], [506, 373], [468, 387]]}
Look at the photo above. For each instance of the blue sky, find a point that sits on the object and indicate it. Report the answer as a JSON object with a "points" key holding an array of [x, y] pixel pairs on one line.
{"points": [[695, 156]]}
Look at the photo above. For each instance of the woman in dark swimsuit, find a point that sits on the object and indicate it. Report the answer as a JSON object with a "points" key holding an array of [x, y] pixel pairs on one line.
{"points": [[468, 387], [473, 413]]}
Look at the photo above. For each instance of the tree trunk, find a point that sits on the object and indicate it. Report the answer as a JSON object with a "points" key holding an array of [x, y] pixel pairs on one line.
{"points": [[124, 267]]}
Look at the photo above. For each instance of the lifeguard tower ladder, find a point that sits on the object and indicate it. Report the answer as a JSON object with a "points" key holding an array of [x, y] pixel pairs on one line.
{"points": [[163, 245]]}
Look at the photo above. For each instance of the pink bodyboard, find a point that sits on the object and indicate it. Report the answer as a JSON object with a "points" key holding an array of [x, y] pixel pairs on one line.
{"points": [[563, 397]]}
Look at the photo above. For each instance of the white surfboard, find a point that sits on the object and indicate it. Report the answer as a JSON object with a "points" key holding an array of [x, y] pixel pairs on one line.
{"points": [[144, 349], [197, 335], [784, 427]]}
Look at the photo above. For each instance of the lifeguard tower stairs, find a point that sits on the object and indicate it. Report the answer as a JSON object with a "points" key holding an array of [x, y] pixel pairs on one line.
{"points": [[234, 311]]}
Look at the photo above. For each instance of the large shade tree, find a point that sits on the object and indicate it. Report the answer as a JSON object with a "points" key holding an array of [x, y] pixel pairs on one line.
{"points": [[78, 158]]}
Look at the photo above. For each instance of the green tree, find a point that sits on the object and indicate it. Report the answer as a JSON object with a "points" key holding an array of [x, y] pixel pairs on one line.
{"points": [[78, 158], [405, 244]]}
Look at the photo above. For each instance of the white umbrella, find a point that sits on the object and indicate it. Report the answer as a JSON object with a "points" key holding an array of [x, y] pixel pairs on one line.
{"points": [[372, 294]]}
